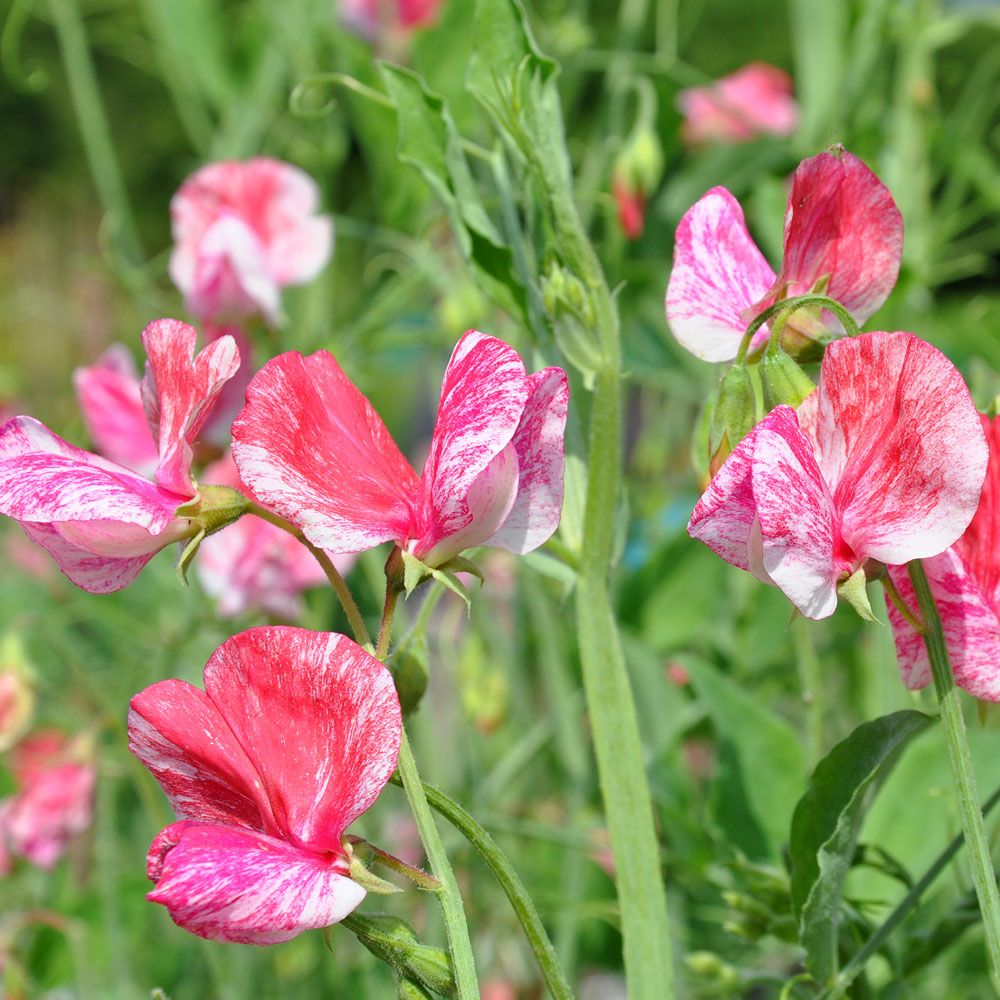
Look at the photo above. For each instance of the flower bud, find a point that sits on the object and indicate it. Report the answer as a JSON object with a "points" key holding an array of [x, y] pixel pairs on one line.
{"points": [[409, 671], [17, 696], [735, 412], [782, 380]]}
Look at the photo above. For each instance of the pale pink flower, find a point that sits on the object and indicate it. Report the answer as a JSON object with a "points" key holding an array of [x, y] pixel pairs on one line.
{"points": [[254, 565], [293, 738], [965, 583], [100, 521], [884, 461], [242, 232], [843, 239], [755, 100], [316, 452], [53, 802]]}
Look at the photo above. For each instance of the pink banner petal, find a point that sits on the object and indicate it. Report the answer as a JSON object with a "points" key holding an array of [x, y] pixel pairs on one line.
{"points": [[314, 450], [717, 273], [320, 717], [900, 445], [178, 392], [235, 885]]}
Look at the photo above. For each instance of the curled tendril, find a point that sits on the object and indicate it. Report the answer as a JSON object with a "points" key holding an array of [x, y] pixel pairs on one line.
{"points": [[30, 82], [789, 306], [298, 102]]}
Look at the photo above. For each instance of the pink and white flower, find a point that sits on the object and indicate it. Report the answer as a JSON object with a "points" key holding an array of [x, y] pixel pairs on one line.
{"points": [[100, 521], [884, 462], [242, 232], [53, 802], [372, 18], [293, 738], [843, 239], [755, 100], [965, 583], [313, 449], [254, 565]]}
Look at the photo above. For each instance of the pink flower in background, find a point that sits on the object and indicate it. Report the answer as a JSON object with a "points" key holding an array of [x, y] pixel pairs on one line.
{"points": [[254, 565], [631, 202], [885, 461], [110, 400], [371, 18], [755, 100], [242, 232], [965, 582], [843, 238], [315, 451], [100, 521], [53, 801], [293, 738]]}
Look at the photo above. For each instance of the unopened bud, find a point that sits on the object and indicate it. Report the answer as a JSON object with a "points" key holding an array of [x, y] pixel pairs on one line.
{"points": [[782, 380], [733, 418], [409, 671], [17, 695]]}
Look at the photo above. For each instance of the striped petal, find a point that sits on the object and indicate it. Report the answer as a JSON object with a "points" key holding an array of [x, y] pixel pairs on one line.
{"points": [[718, 272], [228, 884], [313, 449]]}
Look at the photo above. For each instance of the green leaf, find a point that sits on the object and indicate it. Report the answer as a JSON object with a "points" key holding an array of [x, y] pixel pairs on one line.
{"points": [[763, 770], [825, 828], [429, 141]]}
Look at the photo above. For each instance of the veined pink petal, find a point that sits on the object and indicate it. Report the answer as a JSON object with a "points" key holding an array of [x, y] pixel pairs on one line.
{"points": [[795, 516], [483, 396], [842, 224], [320, 718], [314, 450], [900, 446], [229, 884], [539, 443], [717, 273], [44, 479], [229, 402], [112, 409], [94, 573], [971, 628], [178, 733], [298, 254], [178, 392]]}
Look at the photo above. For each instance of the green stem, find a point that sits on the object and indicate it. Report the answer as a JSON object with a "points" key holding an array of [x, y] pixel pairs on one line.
{"points": [[340, 588], [908, 903], [963, 774], [94, 128], [456, 926], [789, 306], [503, 870], [811, 676]]}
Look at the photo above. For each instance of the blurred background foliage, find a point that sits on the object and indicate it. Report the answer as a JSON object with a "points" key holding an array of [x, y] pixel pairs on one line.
{"points": [[108, 105]]}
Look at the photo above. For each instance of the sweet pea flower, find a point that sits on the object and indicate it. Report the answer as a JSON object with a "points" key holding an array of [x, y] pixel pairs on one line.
{"points": [[884, 462], [965, 584], [755, 100], [242, 232], [843, 239], [53, 802], [293, 738], [313, 449], [254, 565], [98, 520], [370, 18]]}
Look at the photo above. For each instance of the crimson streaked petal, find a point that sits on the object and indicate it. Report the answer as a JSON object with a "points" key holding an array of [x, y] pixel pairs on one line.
{"points": [[320, 718], [179, 734], [313, 449], [900, 445], [718, 272], [178, 392], [228, 884], [540, 446]]}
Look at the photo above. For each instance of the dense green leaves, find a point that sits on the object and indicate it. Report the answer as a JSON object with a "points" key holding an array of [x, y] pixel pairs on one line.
{"points": [[826, 824]]}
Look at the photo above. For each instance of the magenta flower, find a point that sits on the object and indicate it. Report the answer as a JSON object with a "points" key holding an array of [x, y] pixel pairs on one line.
{"points": [[965, 582], [843, 239], [242, 232], [53, 801], [313, 449], [100, 521], [755, 100], [884, 462], [254, 565], [293, 738], [372, 18]]}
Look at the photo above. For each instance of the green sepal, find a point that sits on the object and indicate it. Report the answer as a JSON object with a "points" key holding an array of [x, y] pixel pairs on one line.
{"points": [[187, 556], [855, 592], [414, 573], [369, 881]]}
